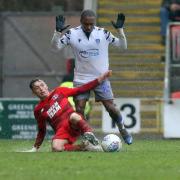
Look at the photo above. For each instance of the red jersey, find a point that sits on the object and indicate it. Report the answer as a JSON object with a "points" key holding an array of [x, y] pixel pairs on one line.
{"points": [[56, 109]]}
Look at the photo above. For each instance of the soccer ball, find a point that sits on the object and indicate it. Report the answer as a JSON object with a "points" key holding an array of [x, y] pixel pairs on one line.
{"points": [[111, 143]]}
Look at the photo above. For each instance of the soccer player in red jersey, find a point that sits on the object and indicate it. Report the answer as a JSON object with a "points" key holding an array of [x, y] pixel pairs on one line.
{"points": [[67, 124]]}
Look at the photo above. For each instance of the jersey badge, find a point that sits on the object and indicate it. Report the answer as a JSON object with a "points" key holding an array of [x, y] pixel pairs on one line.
{"points": [[55, 96], [97, 41]]}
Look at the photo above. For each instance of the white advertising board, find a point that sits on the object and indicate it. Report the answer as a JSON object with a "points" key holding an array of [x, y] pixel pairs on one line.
{"points": [[130, 111], [171, 116]]}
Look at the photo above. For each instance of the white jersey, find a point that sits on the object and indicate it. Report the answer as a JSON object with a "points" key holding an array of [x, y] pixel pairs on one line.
{"points": [[91, 55]]}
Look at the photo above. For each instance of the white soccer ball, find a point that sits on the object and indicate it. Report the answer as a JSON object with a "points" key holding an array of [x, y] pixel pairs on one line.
{"points": [[111, 143]]}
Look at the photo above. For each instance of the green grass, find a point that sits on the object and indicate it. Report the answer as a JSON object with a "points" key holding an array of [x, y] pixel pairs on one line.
{"points": [[144, 160]]}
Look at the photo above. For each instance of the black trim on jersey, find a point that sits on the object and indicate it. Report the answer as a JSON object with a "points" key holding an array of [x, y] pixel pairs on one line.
{"points": [[67, 35], [108, 36], [68, 32], [113, 39], [107, 33], [62, 41], [87, 34]]}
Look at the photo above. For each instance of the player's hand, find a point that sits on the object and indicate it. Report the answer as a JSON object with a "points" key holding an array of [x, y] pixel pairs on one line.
{"points": [[104, 76], [60, 21], [120, 21], [33, 149]]}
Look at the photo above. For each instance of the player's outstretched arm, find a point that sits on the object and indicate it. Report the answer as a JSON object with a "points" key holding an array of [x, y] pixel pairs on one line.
{"points": [[56, 42], [121, 42], [104, 76], [86, 87]]}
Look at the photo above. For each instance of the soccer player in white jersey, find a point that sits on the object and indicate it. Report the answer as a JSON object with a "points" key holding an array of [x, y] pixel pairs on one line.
{"points": [[90, 47]]}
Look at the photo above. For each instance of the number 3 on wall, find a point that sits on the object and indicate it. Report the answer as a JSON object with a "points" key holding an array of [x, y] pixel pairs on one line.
{"points": [[130, 111]]}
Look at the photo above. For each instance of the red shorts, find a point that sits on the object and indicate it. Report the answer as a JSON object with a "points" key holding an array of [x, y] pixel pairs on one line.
{"points": [[67, 132]]}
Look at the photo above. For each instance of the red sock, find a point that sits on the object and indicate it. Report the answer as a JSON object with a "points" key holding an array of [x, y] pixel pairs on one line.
{"points": [[83, 126], [72, 147]]}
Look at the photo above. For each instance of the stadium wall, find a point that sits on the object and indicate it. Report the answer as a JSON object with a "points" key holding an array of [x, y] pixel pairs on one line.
{"points": [[25, 51]]}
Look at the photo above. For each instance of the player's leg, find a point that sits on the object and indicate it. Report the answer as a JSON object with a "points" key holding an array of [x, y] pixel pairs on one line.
{"points": [[103, 93], [114, 113], [89, 139], [78, 123], [65, 137], [117, 118], [80, 100], [59, 145], [80, 105], [93, 148], [83, 107]]}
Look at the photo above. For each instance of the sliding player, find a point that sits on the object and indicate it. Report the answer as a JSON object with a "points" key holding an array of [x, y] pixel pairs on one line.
{"points": [[67, 124]]}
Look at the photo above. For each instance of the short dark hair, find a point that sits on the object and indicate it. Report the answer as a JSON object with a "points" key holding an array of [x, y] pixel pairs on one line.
{"points": [[87, 12], [32, 82]]}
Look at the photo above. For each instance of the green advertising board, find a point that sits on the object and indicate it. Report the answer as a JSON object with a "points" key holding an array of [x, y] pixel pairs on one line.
{"points": [[17, 119]]}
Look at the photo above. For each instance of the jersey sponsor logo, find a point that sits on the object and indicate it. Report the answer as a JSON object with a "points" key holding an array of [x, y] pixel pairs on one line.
{"points": [[53, 109], [89, 53]]}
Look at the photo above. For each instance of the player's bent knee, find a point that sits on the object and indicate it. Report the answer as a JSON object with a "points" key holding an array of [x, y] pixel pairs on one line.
{"points": [[74, 117], [116, 110], [111, 108], [57, 146]]}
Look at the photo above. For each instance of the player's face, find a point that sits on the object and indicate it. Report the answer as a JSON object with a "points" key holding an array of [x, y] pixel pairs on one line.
{"points": [[88, 23], [40, 89]]}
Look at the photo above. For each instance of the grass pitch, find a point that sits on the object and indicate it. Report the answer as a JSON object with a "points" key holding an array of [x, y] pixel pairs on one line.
{"points": [[144, 160]]}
